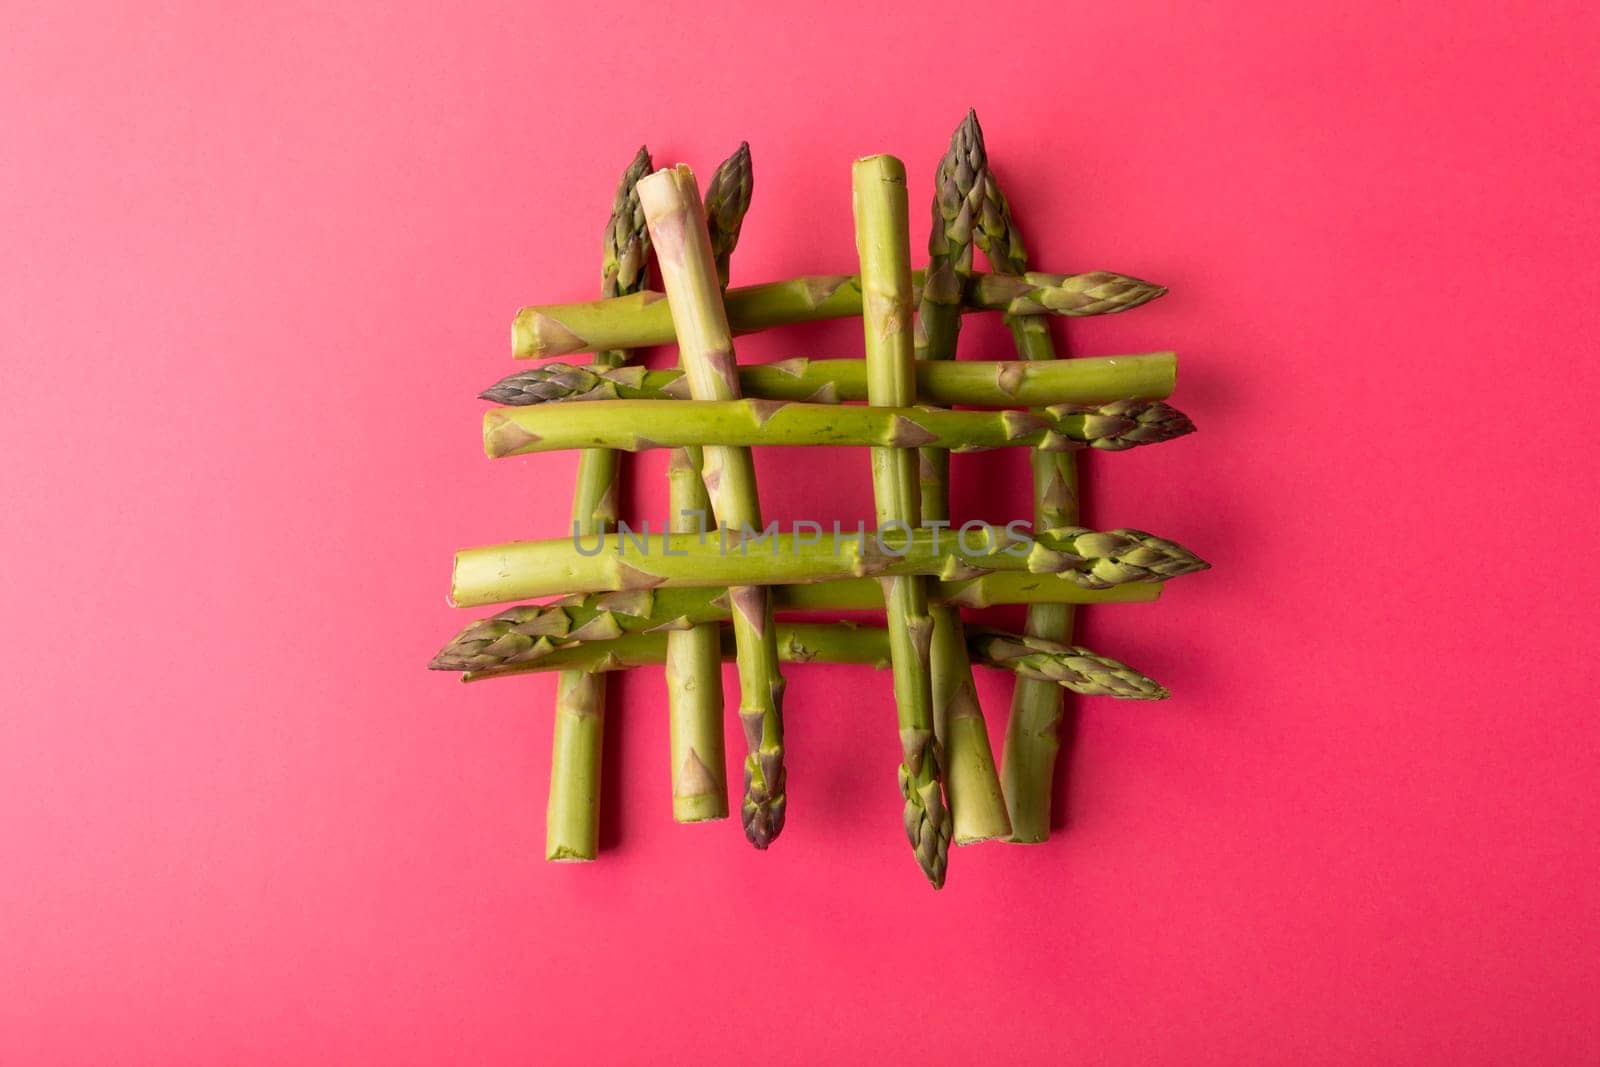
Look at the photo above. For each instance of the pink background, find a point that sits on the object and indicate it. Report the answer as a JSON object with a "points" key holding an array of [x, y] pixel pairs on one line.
{"points": [[256, 265]]}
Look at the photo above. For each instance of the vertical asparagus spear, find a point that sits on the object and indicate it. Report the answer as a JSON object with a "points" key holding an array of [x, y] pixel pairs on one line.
{"points": [[677, 226], [694, 672], [976, 803], [1033, 728], [883, 240], [572, 818], [694, 655]]}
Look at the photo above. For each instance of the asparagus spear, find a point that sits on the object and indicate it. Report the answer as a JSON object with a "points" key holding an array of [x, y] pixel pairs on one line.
{"points": [[694, 674], [975, 795], [636, 425], [883, 241], [1068, 666], [519, 570], [694, 662], [1034, 724], [677, 225], [531, 631], [645, 319], [572, 818], [972, 383]]}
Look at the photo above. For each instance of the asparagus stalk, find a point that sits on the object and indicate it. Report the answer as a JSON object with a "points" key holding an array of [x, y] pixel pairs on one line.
{"points": [[1033, 727], [1004, 384], [677, 225], [531, 631], [572, 817], [624, 561], [1067, 666], [975, 794], [694, 674], [636, 425], [694, 662], [883, 241], [645, 319]]}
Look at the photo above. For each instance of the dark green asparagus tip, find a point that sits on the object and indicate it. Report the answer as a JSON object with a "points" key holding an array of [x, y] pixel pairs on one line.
{"points": [[727, 200], [551, 382], [1126, 424], [958, 198], [1117, 557], [763, 809], [627, 241], [515, 635]]}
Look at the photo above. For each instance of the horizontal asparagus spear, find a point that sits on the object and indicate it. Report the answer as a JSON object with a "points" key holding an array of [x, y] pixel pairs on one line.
{"points": [[521, 570], [643, 319], [972, 383], [529, 631], [637, 425], [1075, 668]]}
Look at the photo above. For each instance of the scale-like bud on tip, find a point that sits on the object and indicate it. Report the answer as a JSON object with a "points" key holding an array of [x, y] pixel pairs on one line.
{"points": [[727, 200], [1076, 668], [1116, 557], [996, 236], [549, 383], [957, 203], [519, 635], [627, 241], [1126, 424]]}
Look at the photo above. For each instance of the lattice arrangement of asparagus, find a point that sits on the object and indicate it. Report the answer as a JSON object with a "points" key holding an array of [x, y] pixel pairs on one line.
{"points": [[690, 598]]}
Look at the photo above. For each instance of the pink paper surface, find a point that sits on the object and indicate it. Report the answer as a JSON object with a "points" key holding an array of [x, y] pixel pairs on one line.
{"points": [[258, 261]]}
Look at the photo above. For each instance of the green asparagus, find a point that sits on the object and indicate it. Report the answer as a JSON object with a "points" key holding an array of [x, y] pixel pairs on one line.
{"points": [[530, 631], [1068, 666], [883, 241], [645, 319], [694, 673], [521, 570], [1034, 724], [694, 664], [637, 425], [676, 218], [970, 383], [975, 795], [572, 817]]}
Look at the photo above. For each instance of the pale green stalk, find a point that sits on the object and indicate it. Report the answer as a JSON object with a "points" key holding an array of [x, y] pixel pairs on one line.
{"points": [[645, 319], [883, 241], [572, 817], [625, 561], [969, 383], [694, 673], [676, 219], [694, 666], [1033, 729], [637, 425]]}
